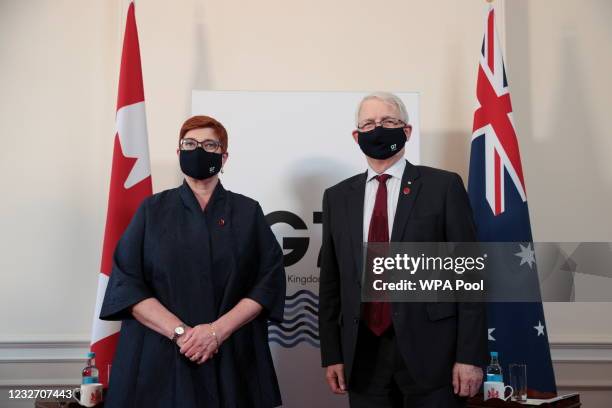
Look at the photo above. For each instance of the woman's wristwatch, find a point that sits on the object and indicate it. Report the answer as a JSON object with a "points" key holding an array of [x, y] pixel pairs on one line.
{"points": [[178, 332]]}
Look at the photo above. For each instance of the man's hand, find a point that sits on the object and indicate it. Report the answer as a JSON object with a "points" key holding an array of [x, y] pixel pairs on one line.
{"points": [[334, 374], [466, 379]]}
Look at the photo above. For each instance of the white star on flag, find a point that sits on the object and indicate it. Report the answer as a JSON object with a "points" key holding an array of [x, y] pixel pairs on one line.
{"points": [[539, 328], [527, 255], [491, 338]]}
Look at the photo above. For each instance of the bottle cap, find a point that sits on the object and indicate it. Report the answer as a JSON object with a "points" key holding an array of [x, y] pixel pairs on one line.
{"points": [[91, 354]]}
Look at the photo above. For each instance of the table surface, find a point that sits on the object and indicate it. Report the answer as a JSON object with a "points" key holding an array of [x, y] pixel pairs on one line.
{"points": [[478, 402], [475, 402]]}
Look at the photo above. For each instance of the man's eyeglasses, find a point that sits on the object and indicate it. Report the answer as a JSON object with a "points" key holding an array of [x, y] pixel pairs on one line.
{"points": [[210, 146], [388, 123]]}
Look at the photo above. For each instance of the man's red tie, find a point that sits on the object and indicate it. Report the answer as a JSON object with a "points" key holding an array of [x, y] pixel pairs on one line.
{"points": [[377, 315]]}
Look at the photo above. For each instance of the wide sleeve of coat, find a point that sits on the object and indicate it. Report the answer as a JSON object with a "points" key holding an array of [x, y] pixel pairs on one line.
{"points": [[270, 286], [127, 285]]}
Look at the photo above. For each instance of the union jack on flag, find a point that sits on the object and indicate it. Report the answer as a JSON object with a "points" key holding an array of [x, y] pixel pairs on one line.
{"points": [[493, 122], [496, 186]]}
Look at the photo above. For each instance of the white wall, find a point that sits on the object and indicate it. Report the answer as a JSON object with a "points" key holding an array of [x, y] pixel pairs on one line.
{"points": [[58, 78]]}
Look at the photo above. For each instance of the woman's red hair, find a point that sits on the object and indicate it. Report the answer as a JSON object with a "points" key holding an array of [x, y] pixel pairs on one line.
{"points": [[200, 122]]}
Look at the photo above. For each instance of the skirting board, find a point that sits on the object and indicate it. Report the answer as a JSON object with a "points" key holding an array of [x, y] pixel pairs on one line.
{"points": [[22, 362]]}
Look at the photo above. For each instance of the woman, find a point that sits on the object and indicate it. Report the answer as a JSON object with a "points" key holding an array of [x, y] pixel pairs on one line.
{"points": [[196, 276]]}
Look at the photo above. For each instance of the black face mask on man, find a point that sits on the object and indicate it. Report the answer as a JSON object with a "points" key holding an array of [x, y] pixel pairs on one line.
{"points": [[199, 163], [381, 143]]}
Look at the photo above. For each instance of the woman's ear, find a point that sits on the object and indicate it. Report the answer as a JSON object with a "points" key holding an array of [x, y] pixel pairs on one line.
{"points": [[224, 158]]}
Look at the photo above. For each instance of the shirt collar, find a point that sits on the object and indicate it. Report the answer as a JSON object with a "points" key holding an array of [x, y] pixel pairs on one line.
{"points": [[395, 171]]}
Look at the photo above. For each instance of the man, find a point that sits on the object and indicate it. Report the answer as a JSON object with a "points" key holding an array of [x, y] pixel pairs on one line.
{"points": [[399, 354]]}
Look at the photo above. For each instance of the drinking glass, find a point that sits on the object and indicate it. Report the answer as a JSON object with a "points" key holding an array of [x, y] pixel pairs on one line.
{"points": [[518, 381]]}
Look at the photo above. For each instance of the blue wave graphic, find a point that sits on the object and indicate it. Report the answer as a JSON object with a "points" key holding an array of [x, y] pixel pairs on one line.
{"points": [[300, 302], [294, 343], [285, 328], [305, 316], [302, 292], [300, 321], [313, 311], [288, 337]]}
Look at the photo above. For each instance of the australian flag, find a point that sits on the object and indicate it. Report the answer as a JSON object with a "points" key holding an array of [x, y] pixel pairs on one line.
{"points": [[496, 186]]}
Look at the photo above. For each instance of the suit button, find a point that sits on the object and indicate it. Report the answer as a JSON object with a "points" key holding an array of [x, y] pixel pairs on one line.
{"points": [[356, 320]]}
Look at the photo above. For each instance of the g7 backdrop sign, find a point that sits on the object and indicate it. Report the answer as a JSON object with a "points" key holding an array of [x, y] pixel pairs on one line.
{"points": [[297, 246]]}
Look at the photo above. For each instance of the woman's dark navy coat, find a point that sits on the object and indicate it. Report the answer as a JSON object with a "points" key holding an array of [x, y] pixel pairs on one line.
{"points": [[198, 264]]}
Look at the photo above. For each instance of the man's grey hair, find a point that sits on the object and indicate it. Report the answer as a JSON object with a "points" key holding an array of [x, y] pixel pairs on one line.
{"points": [[385, 97]]}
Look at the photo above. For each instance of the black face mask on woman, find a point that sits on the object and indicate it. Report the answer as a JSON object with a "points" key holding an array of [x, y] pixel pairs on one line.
{"points": [[199, 163], [381, 143]]}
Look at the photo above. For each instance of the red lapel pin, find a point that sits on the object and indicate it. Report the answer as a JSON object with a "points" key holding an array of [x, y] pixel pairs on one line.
{"points": [[406, 190], [221, 222]]}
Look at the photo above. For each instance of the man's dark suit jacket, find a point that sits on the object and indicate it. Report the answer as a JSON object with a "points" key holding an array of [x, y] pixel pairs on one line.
{"points": [[431, 336]]}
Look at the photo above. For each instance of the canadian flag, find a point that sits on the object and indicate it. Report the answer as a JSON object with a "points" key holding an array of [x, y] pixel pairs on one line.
{"points": [[130, 183]]}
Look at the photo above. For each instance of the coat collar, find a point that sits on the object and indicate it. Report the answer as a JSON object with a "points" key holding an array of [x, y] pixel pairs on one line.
{"points": [[190, 201]]}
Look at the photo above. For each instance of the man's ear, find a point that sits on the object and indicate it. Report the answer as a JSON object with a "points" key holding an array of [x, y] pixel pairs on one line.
{"points": [[178, 151], [356, 136], [408, 132]]}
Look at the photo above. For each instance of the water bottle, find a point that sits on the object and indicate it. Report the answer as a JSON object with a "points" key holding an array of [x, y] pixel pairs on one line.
{"points": [[90, 372], [494, 371]]}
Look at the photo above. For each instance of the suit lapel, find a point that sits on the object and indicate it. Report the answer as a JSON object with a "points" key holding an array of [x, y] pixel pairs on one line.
{"points": [[354, 207], [409, 190]]}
